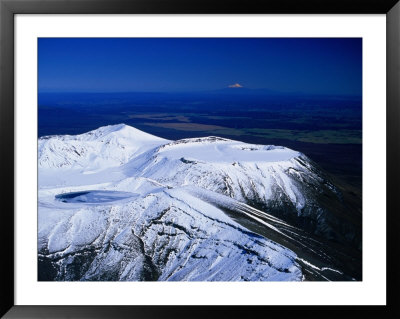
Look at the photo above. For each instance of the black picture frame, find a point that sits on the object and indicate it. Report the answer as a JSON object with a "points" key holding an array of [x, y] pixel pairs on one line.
{"points": [[8, 8]]}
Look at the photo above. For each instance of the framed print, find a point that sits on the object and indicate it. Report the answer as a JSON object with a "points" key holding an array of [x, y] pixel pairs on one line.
{"points": [[167, 158]]}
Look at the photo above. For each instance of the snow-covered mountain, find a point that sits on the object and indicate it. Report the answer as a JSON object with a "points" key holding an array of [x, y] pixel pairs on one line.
{"points": [[120, 204]]}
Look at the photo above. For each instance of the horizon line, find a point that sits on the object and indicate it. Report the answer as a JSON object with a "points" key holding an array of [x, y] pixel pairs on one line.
{"points": [[257, 91]]}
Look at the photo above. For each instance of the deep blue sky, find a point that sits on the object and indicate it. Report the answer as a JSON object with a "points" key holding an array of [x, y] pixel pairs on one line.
{"points": [[306, 65]]}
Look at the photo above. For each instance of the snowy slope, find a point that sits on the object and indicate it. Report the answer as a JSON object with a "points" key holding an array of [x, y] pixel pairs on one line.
{"points": [[162, 234], [226, 166]]}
